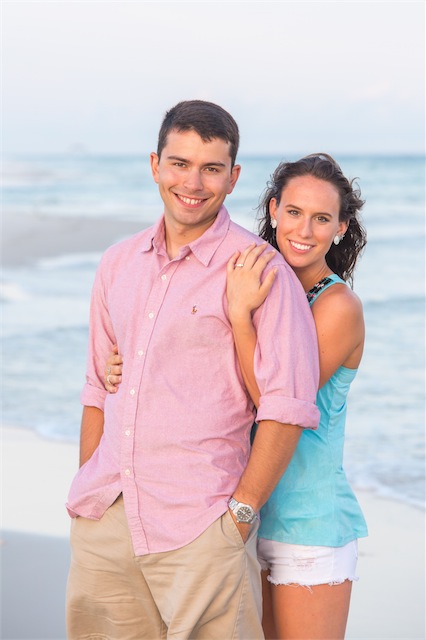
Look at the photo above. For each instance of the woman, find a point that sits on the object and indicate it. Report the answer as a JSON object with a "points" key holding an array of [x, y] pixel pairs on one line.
{"points": [[307, 544]]}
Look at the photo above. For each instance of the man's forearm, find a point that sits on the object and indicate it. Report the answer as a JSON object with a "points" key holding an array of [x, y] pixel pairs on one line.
{"points": [[92, 428], [271, 453]]}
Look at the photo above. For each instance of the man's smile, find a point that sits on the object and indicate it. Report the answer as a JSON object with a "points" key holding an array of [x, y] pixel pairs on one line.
{"points": [[192, 202]]}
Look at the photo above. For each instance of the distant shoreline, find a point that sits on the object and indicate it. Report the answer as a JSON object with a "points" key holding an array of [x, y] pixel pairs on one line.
{"points": [[27, 238]]}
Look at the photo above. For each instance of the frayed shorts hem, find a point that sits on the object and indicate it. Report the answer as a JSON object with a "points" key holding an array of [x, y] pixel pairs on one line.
{"points": [[307, 566], [331, 583]]}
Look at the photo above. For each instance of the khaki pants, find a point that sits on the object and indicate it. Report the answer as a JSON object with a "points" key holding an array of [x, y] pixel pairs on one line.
{"points": [[208, 590]]}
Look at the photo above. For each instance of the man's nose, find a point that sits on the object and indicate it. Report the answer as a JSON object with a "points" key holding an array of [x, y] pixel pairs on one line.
{"points": [[193, 180]]}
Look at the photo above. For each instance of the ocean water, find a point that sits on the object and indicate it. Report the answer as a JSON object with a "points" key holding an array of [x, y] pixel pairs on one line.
{"points": [[45, 306]]}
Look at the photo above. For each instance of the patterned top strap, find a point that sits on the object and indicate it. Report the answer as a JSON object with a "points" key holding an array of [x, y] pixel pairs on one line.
{"points": [[320, 286]]}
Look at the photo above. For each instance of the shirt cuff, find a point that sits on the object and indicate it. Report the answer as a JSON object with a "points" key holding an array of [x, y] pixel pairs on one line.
{"points": [[93, 397], [288, 411]]}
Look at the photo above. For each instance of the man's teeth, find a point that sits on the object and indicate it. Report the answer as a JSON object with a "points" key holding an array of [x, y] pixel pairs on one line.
{"points": [[301, 247], [189, 200]]}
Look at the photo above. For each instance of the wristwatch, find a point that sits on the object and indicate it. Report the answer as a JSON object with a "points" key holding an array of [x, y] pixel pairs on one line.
{"points": [[242, 512]]}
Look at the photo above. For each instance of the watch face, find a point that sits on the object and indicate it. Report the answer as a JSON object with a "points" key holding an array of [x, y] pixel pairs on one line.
{"points": [[244, 514]]}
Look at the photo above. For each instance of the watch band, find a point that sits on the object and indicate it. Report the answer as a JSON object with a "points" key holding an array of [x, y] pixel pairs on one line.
{"points": [[242, 512]]}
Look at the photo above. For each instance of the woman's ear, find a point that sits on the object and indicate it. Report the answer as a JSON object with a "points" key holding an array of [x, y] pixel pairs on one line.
{"points": [[273, 206], [343, 227]]}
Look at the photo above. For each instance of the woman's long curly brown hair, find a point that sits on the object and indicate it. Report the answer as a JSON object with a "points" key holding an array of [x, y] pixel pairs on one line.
{"points": [[340, 258]]}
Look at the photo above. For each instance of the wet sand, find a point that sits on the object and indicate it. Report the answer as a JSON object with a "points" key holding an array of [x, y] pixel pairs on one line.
{"points": [[28, 238]]}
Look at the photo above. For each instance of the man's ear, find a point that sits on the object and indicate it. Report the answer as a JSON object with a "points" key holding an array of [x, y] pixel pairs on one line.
{"points": [[235, 174], [154, 160]]}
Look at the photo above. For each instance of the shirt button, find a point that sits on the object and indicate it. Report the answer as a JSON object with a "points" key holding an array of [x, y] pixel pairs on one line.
{"points": [[127, 432], [132, 392], [150, 315], [187, 258], [127, 472], [140, 352], [164, 277]]}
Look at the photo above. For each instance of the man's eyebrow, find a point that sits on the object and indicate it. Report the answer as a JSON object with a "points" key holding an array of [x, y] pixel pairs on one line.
{"points": [[178, 159], [206, 164], [215, 164]]}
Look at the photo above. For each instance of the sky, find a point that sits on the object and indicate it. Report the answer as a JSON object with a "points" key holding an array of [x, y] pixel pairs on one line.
{"points": [[297, 76]]}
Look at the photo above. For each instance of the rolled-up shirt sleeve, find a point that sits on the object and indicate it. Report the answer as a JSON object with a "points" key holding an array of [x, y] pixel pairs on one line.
{"points": [[101, 340], [286, 362]]}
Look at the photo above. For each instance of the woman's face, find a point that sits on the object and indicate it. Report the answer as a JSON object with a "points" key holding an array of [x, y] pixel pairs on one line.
{"points": [[307, 221]]}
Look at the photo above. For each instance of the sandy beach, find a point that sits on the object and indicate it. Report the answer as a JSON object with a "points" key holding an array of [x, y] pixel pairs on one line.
{"points": [[388, 601]]}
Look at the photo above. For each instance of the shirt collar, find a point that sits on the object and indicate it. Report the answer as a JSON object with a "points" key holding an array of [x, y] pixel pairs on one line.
{"points": [[203, 248]]}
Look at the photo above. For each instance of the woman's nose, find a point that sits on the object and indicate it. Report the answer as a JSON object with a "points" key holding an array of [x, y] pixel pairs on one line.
{"points": [[305, 228]]}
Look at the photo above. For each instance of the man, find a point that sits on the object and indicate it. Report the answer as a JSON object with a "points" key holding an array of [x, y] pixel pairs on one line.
{"points": [[157, 551]]}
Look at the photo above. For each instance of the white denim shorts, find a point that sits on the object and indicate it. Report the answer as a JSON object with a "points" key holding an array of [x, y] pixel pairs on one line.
{"points": [[307, 566]]}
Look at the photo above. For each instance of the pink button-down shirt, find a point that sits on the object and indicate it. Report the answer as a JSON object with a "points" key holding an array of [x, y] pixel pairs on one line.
{"points": [[176, 434]]}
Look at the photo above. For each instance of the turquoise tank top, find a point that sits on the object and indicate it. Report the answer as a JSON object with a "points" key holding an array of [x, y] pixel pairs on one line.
{"points": [[313, 503]]}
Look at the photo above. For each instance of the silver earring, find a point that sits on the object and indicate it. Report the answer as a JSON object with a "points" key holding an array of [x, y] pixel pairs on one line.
{"points": [[337, 239], [273, 223]]}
